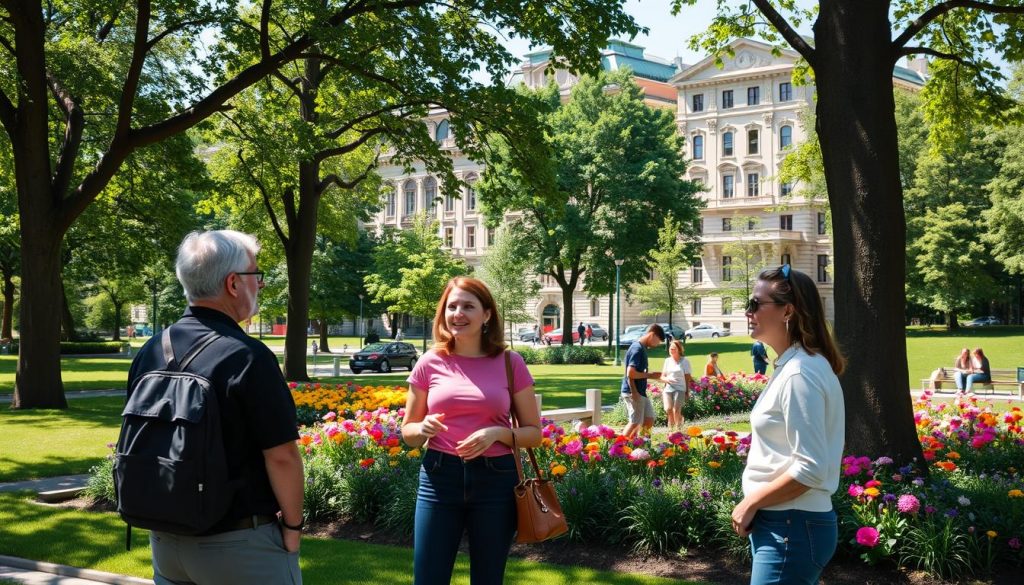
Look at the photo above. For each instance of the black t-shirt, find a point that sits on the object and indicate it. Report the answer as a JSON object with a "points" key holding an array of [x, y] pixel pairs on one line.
{"points": [[257, 410]]}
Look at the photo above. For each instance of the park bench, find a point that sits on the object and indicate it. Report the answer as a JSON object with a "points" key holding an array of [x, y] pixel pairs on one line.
{"points": [[589, 414], [1001, 378]]}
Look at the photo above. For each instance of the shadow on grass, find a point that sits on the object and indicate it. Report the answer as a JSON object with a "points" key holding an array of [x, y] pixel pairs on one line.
{"points": [[78, 373]]}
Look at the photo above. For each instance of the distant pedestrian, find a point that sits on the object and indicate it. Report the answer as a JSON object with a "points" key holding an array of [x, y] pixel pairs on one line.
{"points": [[399, 336], [590, 334], [639, 408], [760, 357], [582, 331], [711, 369]]}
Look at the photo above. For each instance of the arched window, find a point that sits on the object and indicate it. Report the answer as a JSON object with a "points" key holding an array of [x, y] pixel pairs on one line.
{"points": [[785, 137], [442, 131], [698, 147], [430, 194], [727, 144], [410, 197]]}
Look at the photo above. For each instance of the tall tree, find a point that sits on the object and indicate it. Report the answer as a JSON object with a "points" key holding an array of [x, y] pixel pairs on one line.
{"points": [[86, 84], [1004, 220], [672, 254], [618, 164], [855, 45], [506, 270], [422, 278]]}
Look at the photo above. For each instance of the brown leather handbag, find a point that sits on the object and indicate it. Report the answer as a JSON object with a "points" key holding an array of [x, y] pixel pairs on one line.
{"points": [[539, 515]]}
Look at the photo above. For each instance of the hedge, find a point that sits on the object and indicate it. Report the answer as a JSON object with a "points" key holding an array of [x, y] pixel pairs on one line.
{"points": [[80, 347]]}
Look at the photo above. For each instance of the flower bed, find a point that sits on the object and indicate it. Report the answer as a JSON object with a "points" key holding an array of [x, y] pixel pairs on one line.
{"points": [[313, 401], [708, 397]]}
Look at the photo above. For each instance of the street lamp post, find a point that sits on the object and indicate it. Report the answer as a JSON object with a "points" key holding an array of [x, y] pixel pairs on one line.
{"points": [[618, 309], [154, 287], [360, 318]]}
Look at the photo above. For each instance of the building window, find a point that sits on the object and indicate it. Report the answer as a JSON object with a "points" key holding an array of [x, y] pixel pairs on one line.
{"points": [[785, 137], [727, 326], [785, 91], [695, 307], [787, 259], [391, 203], [753, 137], [727, 144], [471, 197], [430, 195], [698, 102], [753, 184], [728, 186], [442, 132], [726, 99], [727, 305], [753, 96], [410, 198], [726, 268], [490, 236], [698, 147], [822, 267], [698, 225], [697, 272], [595, 308], [449, 237], [786, 223], [751, 224], [821, 223], [449, 203], [787, 188], [726, 224], [470, 237]]}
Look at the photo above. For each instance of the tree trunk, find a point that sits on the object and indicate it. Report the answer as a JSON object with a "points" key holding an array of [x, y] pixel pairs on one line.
{"points": [[857, 129], [424, 334], [951, 322], [118, 307], [299, 254], [323, 336], [568, 327], [6, 323], [67, 320], [394, 326]]}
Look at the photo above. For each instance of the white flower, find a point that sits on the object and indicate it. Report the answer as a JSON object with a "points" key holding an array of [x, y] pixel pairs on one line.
{"points": [[963, 501], [639, 455]]}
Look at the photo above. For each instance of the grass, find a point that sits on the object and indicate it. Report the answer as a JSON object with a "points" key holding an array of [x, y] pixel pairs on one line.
{"points": [[48, 443], [96, 540]]}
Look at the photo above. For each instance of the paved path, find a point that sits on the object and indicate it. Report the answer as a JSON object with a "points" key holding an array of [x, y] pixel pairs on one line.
{"points": [[48, 484], [42, 573], [74, 394]]}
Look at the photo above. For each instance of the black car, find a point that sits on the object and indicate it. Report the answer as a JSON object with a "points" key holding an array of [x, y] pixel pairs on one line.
{"points": [[383, 356]]}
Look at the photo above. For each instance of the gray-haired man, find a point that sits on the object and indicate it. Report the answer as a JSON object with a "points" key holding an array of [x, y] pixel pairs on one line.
{"points": [[257, 541]]}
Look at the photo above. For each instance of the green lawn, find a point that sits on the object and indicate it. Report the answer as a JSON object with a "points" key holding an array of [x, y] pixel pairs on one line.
{"points": [[96, 540]]}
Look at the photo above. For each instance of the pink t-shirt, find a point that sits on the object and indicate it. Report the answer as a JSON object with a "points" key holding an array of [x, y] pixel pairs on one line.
{"points": [[472, 392]]}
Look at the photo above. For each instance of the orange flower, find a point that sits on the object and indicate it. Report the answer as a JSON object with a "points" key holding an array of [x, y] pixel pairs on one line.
{"points": [[947, 465], [714, 464], [694, 431], [952, 455]]}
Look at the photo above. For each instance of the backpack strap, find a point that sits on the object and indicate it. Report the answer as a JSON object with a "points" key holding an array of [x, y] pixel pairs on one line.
{"points": [[172, 363]]}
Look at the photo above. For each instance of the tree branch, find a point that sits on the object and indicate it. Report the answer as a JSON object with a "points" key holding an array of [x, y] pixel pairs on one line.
{"points": [[173, 29], [265, 31], [337, 132], [351, 146], [938, 10], [266, 198], [131, 82], [336, 180], [73, 125], [292, 84], [782, 25], [7, 114], [906, 51], [101, 35]]}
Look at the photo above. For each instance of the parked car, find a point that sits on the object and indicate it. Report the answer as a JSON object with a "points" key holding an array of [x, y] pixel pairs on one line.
{"points": [[599, 332], [631, 334], [706, 330], [383, 356], [527, 335], [554, 337], [675, 330], [983, 322]]}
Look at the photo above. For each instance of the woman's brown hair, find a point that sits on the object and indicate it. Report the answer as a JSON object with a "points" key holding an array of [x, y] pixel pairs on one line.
{"points": [[492, 342], [808, 324]]}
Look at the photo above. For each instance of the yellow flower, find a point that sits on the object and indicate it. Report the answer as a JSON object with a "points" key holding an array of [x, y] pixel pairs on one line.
{"points": [[693, 471], [394, 451], [872, 491], [413, 453], [558, 470], [1016, 494], [714, 464], [991, 534]]}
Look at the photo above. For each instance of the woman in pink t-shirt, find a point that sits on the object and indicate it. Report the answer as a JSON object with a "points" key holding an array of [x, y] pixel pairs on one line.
{"points": [[458, 405]]}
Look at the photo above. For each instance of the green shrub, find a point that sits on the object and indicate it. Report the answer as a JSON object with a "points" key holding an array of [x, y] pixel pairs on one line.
{"points": [[398, 511], [530, 355], [584, 496], [100, 486], [87, 347], [937, 546], [654, 520], [322, 485]]}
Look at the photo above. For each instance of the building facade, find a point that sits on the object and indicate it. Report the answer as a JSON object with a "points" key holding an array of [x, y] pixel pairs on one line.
{"points": [[739, 120]]}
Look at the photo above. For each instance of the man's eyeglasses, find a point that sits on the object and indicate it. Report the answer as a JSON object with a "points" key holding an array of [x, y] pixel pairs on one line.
{"points": [[257, 273], [753, 304]]}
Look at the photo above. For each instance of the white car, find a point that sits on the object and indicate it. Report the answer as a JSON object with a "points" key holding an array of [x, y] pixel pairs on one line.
{"points": [[706, 330]]}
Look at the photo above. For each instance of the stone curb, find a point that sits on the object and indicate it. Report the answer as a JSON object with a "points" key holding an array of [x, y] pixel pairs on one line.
{"points": [[66, 571]]}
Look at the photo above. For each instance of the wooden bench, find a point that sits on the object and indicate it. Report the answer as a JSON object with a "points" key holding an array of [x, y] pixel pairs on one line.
{"points": [[590, 414], [1001, 377]]}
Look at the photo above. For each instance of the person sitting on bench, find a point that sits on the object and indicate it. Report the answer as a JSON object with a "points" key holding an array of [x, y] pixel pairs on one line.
{"points": [[981, 371]]}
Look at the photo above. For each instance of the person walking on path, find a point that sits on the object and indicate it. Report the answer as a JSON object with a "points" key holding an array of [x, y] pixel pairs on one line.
{"points": [[760, 354], [458, 405], [257, 541], [639, 408], [590, 334], [797, 433], [677, 376], [582, 331]]}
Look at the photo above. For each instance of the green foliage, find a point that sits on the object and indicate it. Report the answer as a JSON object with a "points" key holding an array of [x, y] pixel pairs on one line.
{"points": [[564, 354], [100, 485], [673, 253], [653, 518], [323, 483], [938, 547], [1004, 221], [506, 270], [88, 347]]}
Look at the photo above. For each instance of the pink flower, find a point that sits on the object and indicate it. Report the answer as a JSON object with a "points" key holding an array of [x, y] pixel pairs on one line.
{"points": [[855, 490], [867, 536], [1014, 543], [330, 416], [573, 447], [908, 504]]}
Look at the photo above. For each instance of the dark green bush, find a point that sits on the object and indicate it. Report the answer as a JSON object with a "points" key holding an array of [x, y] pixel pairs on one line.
{"points": [[86, 347]]}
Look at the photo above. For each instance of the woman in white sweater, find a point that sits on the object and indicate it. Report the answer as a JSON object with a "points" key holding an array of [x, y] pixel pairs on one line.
{"points": [[797, 433]]}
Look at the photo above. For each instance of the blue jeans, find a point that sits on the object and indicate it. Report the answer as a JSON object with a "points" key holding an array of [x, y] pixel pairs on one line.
{"points": [[792, 546], [760, 367], [457, 496], [964, 381]]}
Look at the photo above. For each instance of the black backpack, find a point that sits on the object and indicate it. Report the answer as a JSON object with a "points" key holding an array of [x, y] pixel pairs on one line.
{"points": [[170, 467]]}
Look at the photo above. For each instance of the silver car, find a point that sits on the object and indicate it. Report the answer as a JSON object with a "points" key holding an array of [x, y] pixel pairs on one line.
{"points": [[706, 330]]}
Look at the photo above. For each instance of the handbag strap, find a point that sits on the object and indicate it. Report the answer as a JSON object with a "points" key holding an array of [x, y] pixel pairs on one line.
{"points": [[515, 424]]}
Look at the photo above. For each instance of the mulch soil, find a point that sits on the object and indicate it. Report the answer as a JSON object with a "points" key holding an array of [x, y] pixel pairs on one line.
{"points": [[695, 565]]}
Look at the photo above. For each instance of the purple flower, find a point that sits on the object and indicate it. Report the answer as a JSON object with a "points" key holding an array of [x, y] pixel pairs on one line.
{"points": [[919, 482], [929, 509], [656, 483], [889, 498], [1014, 543], [952, 513], [883, 461]]}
